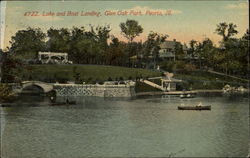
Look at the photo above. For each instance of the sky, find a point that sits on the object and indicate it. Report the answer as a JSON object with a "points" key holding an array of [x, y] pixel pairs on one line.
{"points": [[188, 20]]}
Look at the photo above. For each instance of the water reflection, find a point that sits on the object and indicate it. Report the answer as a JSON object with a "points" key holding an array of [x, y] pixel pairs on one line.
{"points": [[146, 127]]}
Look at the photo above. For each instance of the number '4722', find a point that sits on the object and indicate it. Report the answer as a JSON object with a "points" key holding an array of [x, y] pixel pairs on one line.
{"points": [[31, 13]]}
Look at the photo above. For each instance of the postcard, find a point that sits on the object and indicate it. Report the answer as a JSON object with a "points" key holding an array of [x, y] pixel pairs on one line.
{"points": [[124, 78]]}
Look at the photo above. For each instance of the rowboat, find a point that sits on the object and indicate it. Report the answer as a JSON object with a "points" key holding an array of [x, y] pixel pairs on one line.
{"points": [[186, 96], [208, 107], [63, 103]]}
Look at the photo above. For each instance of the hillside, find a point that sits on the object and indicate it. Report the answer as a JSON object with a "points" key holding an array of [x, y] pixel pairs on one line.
{"points": [[84, 73]]}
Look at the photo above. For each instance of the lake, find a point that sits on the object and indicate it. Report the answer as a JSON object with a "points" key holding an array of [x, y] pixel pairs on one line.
{"points": [[139, 127]]}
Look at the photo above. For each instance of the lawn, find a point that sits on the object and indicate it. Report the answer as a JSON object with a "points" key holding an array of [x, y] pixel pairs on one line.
{"points": [[99, 73], [85, 73], [206, 80]]}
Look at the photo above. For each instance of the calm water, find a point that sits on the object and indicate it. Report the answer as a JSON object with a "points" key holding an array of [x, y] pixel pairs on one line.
{"points": [[142, 127]]}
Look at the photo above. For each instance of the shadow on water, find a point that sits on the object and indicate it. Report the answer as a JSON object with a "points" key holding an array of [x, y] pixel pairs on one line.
{"points": [[36, 100]]}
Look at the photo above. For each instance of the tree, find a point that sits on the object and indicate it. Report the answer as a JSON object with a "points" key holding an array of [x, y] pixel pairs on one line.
{"points": [[208, 54], [151, 46], [58, 40], [116, 55], [130, 29], [2, 58], [193, 49], [27, 42], [5, 92], [246, 35], [229, 47], [226, 30], [12, 69], [101, 34], [242, 54], [179, 52]]}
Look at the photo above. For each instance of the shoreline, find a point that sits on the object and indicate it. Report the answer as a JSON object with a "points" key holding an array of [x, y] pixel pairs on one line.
{"points": [[183, 92]]}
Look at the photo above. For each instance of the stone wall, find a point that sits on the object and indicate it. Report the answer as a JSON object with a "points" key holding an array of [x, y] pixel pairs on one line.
{"points": [[94, 90]]}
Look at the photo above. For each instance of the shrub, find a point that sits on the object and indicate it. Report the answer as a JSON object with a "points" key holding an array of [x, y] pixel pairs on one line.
{"points": [[121, 78], [189, 67], [110, 79], [62, 80], [180, 65], [5, 92], [168, 66]]}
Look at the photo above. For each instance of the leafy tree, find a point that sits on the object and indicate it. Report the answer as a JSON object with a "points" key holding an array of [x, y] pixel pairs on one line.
{"points": [[179, 52], [12, 70], [207, 52], [226, 30], [151, 46], [229, 46], [5, 92], [101, 33], [58, 40], [27, 42], [246, 35], [193, 50], [237, 55], [130, 29], [89, 46], [116, 54], [76, 45]]}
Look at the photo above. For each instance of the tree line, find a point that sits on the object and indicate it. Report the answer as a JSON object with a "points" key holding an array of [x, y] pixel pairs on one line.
{"points": [[96, 45]]}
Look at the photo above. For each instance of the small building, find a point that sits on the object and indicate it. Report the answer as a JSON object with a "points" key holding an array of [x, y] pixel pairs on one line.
{"points": [[53, 58], [169, 84], [167, 50]]}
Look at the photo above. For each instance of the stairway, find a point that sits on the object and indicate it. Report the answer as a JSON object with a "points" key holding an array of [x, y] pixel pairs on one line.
{"points": [[152, 84]]}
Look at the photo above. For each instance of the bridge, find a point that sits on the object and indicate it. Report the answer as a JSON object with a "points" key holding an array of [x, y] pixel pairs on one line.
{"points": [[46, 87]]}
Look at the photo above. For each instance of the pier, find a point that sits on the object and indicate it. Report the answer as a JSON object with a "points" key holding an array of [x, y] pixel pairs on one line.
{"points": [[178, 92]]}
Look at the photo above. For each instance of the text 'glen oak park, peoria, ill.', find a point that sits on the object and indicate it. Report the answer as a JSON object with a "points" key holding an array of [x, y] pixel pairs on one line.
{"points": [[98, 13]]}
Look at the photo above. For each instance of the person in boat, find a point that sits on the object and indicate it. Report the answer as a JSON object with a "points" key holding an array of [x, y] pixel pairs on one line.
{"points": [[52, 99], [67, 101]]}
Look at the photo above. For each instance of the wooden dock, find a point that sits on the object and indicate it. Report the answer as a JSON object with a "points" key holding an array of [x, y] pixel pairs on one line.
{"points": [[177, 92]]}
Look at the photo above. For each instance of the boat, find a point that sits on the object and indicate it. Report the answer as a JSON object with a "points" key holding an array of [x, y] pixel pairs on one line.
{"points": [[208, 107], [186, 96], [63, 103]]}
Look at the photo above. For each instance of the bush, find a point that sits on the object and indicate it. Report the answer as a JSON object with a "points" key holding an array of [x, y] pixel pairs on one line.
{"points": [[110, 79], [62, 80], [5, 92], [168, 66], [180, 65], [121, 78], [189, 67], [100, 82]]}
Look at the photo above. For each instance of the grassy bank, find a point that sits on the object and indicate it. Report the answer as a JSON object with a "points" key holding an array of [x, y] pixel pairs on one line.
{"points": [[84, 73], [206, 80], [98, 73]]}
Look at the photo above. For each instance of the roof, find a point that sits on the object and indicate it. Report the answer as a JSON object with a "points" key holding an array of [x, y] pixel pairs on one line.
{"points": [[171, 80], [168, 44], [51, 53], [171, 44]]}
